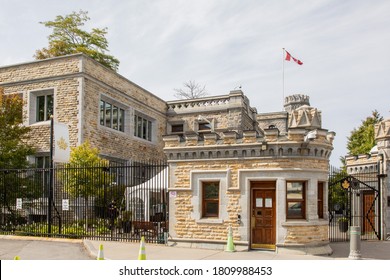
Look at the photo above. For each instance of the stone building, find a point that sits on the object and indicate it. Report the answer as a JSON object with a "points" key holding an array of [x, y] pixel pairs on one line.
{"points": [[265, 175], [374, 202], [123, 120]]}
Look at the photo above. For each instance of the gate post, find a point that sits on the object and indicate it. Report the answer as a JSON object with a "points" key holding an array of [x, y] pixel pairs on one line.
{"points": [[354, 247]]}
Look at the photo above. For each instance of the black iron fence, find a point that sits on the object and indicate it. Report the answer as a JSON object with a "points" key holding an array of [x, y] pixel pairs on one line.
{"points": [[354, 200], [99, 202]]}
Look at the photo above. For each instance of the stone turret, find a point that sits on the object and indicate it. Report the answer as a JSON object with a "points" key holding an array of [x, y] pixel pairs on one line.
{"points": [[295, 101]]}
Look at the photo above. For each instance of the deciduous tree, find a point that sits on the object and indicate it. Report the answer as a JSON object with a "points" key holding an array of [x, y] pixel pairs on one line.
{"points": [[13, 134], [191, 90], [85, 175], [69, 38], [362, 139]]}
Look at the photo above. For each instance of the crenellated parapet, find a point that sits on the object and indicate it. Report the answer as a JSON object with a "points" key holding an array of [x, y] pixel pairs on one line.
{"points": [[295, 101], [229, 145]]}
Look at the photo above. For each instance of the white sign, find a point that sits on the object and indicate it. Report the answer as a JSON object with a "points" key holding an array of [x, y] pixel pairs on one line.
{"points": [[259, 202], [61, 143], [172, 194], [65, 204], [19, 204]]}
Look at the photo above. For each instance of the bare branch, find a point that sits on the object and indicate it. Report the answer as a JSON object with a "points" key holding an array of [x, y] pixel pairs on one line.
{"points": [[191, 90]]}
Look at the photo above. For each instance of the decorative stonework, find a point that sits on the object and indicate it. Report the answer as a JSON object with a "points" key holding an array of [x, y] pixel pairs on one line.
{"points": [[295, 101]]}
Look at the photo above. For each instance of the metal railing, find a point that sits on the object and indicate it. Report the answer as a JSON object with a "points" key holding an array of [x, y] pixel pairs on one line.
{"points": [[96, 202]]}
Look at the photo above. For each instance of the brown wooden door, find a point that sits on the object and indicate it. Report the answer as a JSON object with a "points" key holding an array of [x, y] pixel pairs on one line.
{"points": [[263, 220], [368, 212]]}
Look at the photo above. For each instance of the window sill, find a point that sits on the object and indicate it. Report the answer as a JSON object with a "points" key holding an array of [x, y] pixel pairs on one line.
{"points": [[210, 221], [302, 222], [38, 123]]}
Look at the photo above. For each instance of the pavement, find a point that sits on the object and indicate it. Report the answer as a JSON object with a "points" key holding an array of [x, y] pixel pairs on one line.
{"points": [[113, 250], [377, 250]]}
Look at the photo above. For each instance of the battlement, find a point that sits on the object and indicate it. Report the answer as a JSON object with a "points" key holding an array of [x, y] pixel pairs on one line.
{"points": [[230, 144], [295, 101]]}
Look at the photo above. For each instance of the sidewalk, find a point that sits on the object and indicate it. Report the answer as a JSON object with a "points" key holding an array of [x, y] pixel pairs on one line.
{"points": [[379, 250]]}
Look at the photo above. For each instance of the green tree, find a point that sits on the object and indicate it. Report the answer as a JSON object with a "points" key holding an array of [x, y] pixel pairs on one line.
{"points": [[69, 38], [85, 175], [13, 135], [14, 182], [362, 139]]}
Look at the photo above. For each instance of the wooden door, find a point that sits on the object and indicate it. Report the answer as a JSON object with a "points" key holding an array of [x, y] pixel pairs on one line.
{"points": [[263, 219], [368, 211]]}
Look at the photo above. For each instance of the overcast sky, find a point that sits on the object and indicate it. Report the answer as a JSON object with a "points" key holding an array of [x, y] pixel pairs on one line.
{"points": [[344, 47]]}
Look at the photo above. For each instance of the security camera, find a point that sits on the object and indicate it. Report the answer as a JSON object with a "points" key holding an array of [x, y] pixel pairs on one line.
{"points": [[310, 136]]}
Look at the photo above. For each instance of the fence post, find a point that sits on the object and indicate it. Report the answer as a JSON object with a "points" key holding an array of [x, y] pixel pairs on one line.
{"points": [[354, 247]]}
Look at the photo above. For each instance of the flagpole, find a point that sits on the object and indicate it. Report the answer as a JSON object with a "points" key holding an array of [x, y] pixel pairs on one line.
{"points": [[283, 79]]}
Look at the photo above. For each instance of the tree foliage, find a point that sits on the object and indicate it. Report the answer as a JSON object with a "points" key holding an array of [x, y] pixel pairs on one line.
{"points": [[85, 175], [13, 135], [362, 139], [69, 38], [191, 90]]}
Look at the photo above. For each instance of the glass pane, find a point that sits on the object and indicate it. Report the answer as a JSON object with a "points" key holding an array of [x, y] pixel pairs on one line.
{"points": [[136, 126], [268, 202], [115, 118], [144, 129], [49, 106], [139, 127], [102, 104], [211, 191], [294, 190], [108, 114], [259, 202], [177, 128], [294, 210], [122, 120], [39, 162], [40, 108], [212, 209], [149, 130]]}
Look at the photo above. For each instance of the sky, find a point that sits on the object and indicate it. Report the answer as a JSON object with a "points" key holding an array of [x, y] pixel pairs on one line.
{"points": [[344, 47]]}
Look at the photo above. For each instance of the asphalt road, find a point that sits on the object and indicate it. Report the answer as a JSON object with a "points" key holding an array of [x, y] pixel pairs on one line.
{"points": [[43, 250]]}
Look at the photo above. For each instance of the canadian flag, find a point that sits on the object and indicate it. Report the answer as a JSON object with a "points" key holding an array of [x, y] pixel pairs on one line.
{"points": [[289, 57]]}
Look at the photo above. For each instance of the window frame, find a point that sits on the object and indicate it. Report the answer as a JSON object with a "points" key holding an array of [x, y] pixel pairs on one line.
{"points": [[108, 118], [47, 111], [320, 199], [301, 200], [207, 201], [143, 127]]}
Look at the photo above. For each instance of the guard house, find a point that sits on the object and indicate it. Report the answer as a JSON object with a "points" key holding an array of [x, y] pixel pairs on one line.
{"points": [[371, 207], [263, 174]]}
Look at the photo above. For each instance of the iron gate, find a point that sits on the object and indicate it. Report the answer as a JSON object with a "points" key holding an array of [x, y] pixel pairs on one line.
{"points": [[354, 200], [101, 202]]}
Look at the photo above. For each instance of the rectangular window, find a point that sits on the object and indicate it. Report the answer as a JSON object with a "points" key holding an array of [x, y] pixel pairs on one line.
{"points": [[295, 200], [320, 203], [143, 128], [210, 199], [177, 128], [112, 116], [44, 107]]}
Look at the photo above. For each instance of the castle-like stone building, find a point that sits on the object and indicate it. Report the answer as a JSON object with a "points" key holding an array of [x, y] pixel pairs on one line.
{"points": [[121, 119], [374, 201], [264, 175]]}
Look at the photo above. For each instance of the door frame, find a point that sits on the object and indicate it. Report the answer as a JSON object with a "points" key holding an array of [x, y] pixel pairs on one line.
{"points": [[263, 185]]}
